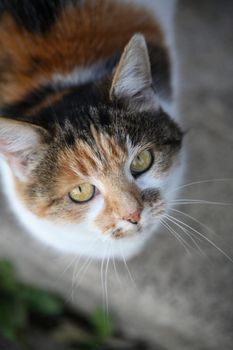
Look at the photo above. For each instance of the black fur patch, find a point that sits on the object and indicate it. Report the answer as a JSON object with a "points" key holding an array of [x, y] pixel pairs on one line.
{"points": [[89, 105], [35, 15], [30, 101]]}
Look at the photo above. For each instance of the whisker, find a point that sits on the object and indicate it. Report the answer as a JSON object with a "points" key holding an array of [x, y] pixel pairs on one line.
{"points": [[188, 233], [200, 182], [203, 236], [106, 286], [190, 200], [74, 276], [102, 279], [127, 269], [198, 201], [195, 220], [115, 268], [176, 235], [84, 271], [72, 261]]}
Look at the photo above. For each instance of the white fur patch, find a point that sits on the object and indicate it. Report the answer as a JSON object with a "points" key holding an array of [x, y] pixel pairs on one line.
{"points": [[81, 75]]}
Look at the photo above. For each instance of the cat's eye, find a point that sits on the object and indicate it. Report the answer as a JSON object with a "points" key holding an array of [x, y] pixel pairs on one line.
{"points": [[82, 193], [142, 162]]}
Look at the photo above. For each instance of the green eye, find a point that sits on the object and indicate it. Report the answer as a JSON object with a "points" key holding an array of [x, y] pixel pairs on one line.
{"points": [[82, 193], [141, 163]]}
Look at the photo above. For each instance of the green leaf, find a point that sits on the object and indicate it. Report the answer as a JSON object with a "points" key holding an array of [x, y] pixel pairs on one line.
{"points": [[13, 317], [42, 302], [102, 324], [9, 333], [7, 278]]}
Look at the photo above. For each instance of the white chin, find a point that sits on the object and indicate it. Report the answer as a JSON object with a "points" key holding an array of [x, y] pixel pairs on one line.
{"points": [[97, 246], [70, 239]]}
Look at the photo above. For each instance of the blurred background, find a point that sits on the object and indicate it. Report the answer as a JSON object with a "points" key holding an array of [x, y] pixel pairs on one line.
{"points": [[170, 296]]}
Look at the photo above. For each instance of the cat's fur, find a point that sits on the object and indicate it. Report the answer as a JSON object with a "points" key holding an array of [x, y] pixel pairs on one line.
{"points": [[84, 87]]}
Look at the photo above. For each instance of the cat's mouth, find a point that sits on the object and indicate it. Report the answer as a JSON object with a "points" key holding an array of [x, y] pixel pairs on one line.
{"points": [[121, 233]]}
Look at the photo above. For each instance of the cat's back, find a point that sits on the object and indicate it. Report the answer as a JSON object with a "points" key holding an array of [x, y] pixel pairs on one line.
{"points": [[56, 40]]}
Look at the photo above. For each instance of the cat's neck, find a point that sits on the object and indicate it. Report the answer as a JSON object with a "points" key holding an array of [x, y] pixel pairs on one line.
{"points": [[59, 86]]}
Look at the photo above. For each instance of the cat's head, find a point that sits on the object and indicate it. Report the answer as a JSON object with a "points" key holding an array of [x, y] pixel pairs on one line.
{"points": [[98, 165]]}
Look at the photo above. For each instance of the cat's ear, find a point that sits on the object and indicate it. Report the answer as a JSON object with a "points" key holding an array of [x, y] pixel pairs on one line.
{"points": [[19, 143], [132, 81]]}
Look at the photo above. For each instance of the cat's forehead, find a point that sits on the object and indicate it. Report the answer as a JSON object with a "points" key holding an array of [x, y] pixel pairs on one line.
{"points": [[102, 154], [116, 121], [101, 139]]}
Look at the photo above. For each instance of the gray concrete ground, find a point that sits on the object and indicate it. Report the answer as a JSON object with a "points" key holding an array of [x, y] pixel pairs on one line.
{"points": [[181, 300]]}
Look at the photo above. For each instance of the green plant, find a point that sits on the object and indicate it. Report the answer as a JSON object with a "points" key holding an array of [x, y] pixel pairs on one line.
{"points": [[103, 325], [18, 302]]}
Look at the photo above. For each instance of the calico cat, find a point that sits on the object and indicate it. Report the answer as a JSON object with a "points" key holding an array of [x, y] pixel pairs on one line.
{"points": [[90, 147]]}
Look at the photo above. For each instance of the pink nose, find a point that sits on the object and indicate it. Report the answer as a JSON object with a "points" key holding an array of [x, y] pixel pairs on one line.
{"points": [[134, 217]]}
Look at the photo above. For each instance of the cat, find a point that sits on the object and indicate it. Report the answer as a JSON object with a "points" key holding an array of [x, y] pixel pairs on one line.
{"points": [[90, 143]]}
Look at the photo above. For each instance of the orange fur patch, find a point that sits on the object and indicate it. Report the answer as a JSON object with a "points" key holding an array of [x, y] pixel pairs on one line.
{"points": [[80, 36]]}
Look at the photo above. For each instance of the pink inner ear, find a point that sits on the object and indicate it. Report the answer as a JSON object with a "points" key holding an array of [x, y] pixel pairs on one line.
{"points": [[17, 167], [17, 141], [16, 163], [5, 148], [2, 147]]}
